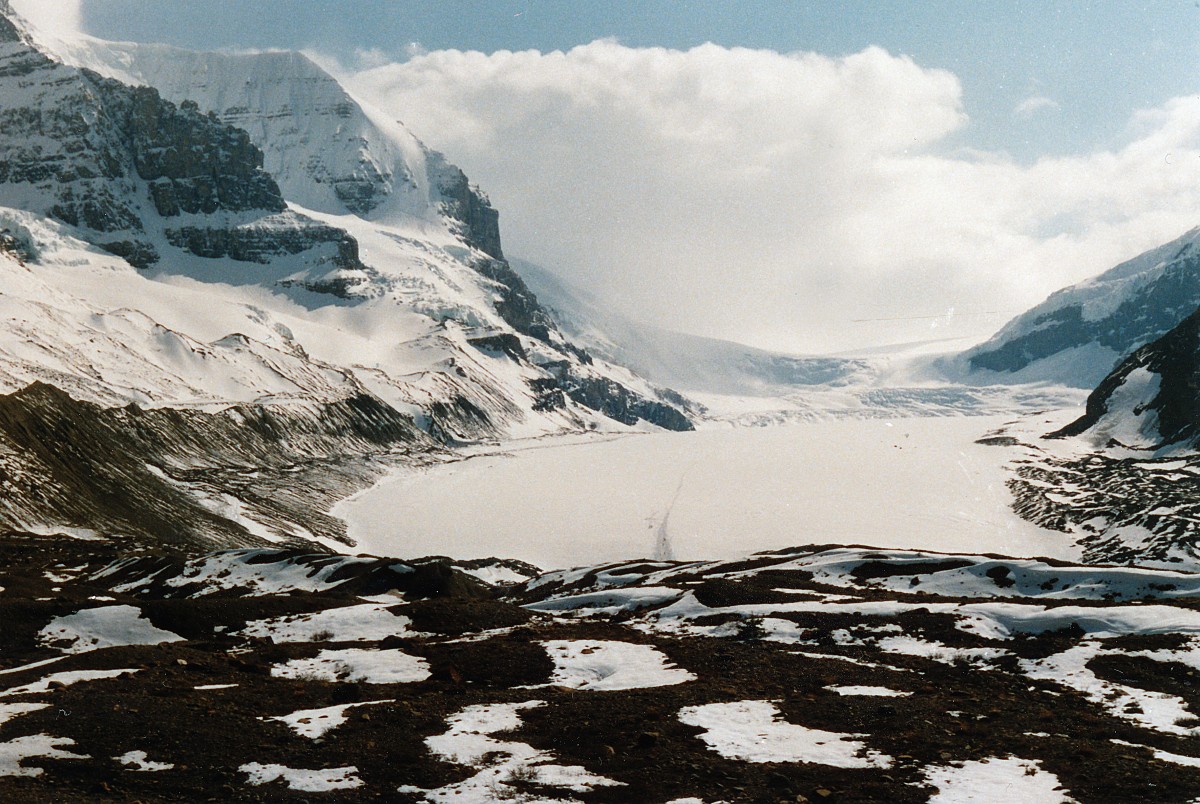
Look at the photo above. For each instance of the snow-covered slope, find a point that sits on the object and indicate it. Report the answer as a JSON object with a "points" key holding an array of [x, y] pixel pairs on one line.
{"points": [[1078, 334], [1152, 399]]}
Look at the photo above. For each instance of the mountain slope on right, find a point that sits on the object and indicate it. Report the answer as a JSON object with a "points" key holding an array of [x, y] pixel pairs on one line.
{"points": [[1079, 333], [1152, 399]]}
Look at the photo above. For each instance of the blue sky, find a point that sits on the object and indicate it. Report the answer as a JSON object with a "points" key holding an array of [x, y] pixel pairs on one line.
{"points": [[824, 176], [1093, 62]]}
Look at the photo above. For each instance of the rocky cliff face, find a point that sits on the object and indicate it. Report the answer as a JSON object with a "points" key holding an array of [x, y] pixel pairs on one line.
{"points": [[123, 166]]}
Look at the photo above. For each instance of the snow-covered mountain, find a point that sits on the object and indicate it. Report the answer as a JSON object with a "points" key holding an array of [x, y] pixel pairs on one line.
{"points": [[689, 363], [1079, 333], [254, 245]]}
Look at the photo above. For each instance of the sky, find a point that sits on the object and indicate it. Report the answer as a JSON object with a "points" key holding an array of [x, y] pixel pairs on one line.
{"points": [[804, 176]]}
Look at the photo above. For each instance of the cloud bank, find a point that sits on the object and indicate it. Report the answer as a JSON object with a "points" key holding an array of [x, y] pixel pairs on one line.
{"points": [[792, 201]]}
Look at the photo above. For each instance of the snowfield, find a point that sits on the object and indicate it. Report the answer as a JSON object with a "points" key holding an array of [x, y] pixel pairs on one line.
{"points": [[919, 483]]}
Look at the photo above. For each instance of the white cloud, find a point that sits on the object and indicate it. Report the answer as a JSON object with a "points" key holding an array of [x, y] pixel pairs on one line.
{"points": [[779, 199], [57, 17], [1032, 105]]}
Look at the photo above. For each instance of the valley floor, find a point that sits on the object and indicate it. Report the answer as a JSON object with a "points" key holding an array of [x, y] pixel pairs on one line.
{"points": [[919, 483]]}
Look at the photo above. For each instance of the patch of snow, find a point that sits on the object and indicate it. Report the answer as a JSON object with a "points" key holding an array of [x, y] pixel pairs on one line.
{"points": [[752, 731], [1147, 708], [34, 746], [471, 741], [995, 779], [306, 781], [103, 627], [233, 570], [215, 686], [313, 723], [1000, 620], [1130, 421], [140, 762], [357, 665], [368, 622], [1165, 756], [65, 678], [610, 601], [882, 692], [496, 575], [937, 651], [607, 665], [11, 711]]}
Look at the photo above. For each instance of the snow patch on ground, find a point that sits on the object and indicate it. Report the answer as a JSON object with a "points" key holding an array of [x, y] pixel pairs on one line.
{"points": [[11, 711], [140, 762], [471, 741], [313, 723], [65, 679], [938, 652], [103, 627], [752, 731], [33, 746], [881, 692], [357, 665], [232, 570], [306, 781], [605, 665], [1149, 709], [369, 622], [995, 779]]}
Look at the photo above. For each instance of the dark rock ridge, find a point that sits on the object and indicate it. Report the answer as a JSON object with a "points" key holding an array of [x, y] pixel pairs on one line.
{"points": [[1175, 359], [611, 398], [1137, 301], [155, 474], [479, 221]]}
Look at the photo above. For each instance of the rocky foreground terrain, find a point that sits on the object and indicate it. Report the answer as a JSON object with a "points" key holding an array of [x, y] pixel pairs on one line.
{"points": [[812, 674]]}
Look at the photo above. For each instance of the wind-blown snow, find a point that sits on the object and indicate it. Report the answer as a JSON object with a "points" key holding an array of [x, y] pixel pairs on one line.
{"points": [[753, 731], [1150, 709], [11, 711], [139, 761], [65, 678], [878, 692]]}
